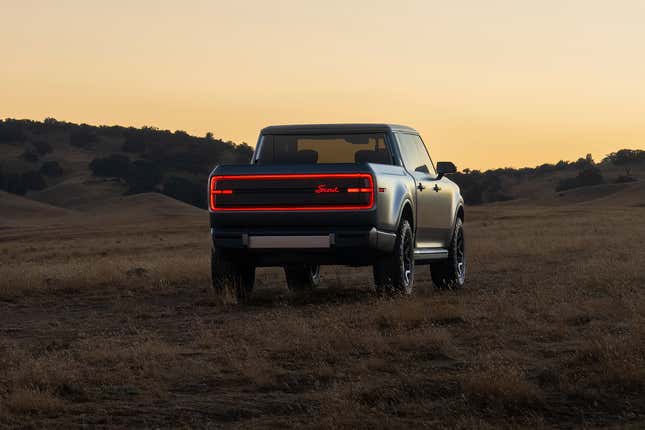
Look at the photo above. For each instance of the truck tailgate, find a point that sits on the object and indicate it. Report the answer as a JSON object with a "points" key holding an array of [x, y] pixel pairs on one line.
{"points": [[311, 191], [292, 195]]}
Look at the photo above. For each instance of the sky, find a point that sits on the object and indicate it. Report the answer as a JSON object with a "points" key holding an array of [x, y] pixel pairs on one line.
{"points": [[488, 84]]}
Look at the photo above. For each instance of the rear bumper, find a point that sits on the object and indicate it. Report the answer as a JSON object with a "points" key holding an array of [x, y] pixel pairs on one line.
{"points": [[274, 247]]}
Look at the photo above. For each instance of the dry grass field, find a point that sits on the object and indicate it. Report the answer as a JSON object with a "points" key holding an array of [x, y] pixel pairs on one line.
{"points": [[109, 322]]}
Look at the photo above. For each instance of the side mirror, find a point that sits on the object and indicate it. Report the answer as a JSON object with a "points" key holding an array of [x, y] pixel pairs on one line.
{"points": [[445, 168]]}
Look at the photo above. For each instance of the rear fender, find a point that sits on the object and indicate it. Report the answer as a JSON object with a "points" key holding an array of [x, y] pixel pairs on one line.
{"points": [[395, 189]]}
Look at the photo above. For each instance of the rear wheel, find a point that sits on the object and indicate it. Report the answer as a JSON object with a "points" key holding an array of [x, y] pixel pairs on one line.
{"points": [[302, 277], [230, 277], [451, 273], [395, 273]]}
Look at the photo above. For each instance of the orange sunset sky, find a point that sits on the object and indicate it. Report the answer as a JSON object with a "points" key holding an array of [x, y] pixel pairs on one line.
{"points": [[488, 83]]}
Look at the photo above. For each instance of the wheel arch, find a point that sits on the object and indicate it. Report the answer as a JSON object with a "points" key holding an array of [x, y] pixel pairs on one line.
{"points": [[460, 213], [407, 212]]}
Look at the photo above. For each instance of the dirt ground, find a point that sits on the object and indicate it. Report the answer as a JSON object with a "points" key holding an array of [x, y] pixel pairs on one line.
{"points": [[113, 325]]}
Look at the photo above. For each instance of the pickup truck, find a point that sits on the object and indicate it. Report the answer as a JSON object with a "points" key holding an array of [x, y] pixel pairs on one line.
{"points": [[348, 194]]}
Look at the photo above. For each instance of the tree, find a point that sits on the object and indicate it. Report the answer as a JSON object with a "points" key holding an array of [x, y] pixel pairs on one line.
{"points": [[560, 165], [42, 147], [114, 166], [626, 156], [143, 176], [14, 184], [82, 137], [11, 131], [185, 190], [589, 176], [134, 144], [584, 163]]}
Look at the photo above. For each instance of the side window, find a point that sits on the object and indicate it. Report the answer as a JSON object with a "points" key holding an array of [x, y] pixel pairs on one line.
{"points": [[414, 153], [424, 157], [408, 151]]}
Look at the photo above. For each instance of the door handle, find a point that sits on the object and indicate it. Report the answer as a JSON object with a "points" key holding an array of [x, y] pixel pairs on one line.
{"points": [[436, 188], [421, 187]]}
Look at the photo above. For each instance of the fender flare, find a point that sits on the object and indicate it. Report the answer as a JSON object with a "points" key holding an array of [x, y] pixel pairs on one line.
{"points": [[458, 210], [406, 201]]}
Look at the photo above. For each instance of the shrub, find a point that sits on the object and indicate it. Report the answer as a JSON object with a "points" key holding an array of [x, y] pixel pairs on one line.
{"points": [[587, 177], [42, 147], [114, 166], [13, 183], [82, 137], [51, 168], [16, 185], [11, 131], [33, 180], [623, 179], [143, 176], [134, 144], [21, 183], [186, 191], [473, 195], [30, 156]]}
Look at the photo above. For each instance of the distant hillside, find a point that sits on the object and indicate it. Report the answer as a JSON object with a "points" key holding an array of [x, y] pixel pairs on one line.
{"points": [[76, 166], [554, 181], [71, 165], [15, 209]]}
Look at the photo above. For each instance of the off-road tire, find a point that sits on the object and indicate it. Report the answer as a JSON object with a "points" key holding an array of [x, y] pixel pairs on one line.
{"points": [[230, 277], [302, 277], [451, 273], [394, 273]]}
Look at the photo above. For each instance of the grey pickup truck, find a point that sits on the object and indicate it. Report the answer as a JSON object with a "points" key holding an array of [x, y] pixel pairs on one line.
{"points": [[349, 194]]}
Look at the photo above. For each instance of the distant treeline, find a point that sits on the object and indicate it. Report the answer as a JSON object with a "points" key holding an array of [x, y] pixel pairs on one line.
{"points": [[494, 185], [146, 159], [177, 164]]}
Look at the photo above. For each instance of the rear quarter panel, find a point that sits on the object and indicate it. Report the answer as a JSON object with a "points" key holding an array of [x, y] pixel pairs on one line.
{"points": [[398, 188]]}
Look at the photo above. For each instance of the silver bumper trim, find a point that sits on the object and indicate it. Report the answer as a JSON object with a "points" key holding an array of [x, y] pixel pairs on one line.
{"points": [[289, 242]]}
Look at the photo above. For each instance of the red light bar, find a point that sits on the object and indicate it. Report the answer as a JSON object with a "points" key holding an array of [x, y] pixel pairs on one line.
{"points": [[370, 189]]}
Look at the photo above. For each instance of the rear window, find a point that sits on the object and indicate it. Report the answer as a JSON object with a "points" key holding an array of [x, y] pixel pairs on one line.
{"points": [[324, 149]]}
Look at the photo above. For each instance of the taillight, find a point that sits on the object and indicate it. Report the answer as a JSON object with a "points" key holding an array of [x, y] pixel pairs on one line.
{"points": [[215, 192], [318, 188]]}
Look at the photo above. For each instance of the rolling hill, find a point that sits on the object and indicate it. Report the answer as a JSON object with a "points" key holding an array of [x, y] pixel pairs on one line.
{"points": [[84, 168], [16, 210]]}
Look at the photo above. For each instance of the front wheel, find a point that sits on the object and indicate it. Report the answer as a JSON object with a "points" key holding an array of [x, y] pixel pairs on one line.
{"points": [[229, 276], [395, 273], [451, 273]]}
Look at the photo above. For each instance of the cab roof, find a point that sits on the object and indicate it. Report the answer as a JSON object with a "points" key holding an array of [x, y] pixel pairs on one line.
{"points": [[336, 129]]}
